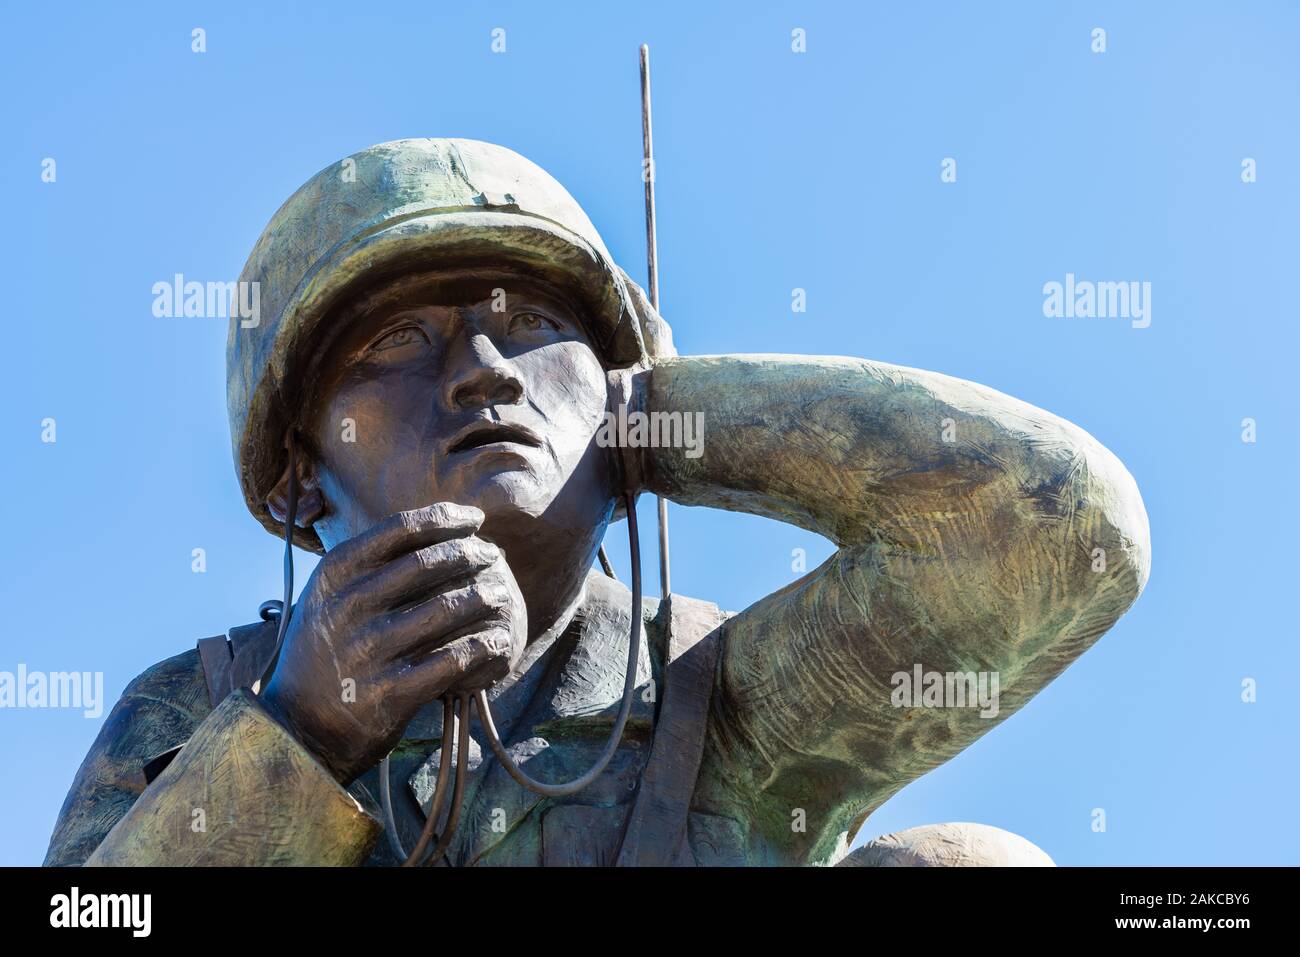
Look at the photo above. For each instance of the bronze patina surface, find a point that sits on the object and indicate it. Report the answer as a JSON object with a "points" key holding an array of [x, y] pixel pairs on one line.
{"points": [[443, 333]]}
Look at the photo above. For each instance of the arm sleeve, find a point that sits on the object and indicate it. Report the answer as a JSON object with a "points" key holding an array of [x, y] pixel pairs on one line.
{"points": [[240, 778], [242, 791], [158, 711], [975, 535]]}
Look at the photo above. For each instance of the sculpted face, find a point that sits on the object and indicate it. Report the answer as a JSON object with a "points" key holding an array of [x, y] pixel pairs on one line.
{"points": [[472, 387]]}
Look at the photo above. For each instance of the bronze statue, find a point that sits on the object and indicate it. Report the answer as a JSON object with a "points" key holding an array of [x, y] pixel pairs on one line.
{"points": [[425, 400]]}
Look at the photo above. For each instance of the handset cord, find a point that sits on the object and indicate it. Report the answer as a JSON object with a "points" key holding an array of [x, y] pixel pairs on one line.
{"points": [[286, 606], [629, 688]]}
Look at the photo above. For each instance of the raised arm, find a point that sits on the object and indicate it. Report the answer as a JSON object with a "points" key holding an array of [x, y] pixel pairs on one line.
{"points": [[976, 533]]}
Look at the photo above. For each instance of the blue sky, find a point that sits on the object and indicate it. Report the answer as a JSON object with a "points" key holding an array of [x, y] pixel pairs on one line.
{"points": [[776, 170]]}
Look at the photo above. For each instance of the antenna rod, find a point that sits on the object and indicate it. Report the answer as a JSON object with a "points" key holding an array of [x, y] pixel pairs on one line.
{"points": [[652, 269]]}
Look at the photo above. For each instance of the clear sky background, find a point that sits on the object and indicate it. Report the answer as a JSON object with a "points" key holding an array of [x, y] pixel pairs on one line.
{"points": [[776, 170]]}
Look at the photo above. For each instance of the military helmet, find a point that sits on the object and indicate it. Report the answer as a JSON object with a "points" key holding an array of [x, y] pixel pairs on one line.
{"points": [[400, 206]]}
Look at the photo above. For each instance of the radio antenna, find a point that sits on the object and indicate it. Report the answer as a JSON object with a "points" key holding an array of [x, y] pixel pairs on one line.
{"points": [[652, 270]]}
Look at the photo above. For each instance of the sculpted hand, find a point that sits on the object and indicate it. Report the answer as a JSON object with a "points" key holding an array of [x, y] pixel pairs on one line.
{"points": [[412, 609]]}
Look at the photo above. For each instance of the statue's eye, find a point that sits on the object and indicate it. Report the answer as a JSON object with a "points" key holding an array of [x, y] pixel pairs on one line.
{"points": [[400, 341], [532, 324]]}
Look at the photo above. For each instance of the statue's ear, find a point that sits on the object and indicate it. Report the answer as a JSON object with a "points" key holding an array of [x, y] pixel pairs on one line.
{"points": [[311, 504]]}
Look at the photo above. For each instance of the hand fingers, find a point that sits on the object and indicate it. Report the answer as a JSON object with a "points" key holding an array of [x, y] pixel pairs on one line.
{"points": [[422, 571], [405, 532], [411, 634], [483, 675], [451, 666]]}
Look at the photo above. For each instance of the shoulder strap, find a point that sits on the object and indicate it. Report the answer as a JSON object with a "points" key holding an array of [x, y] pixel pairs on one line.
{"points": [[656, 825], [238, 660], [216, 656]]}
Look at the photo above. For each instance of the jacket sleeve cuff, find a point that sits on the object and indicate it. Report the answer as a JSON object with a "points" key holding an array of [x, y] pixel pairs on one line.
{"points": [[243, 791]]}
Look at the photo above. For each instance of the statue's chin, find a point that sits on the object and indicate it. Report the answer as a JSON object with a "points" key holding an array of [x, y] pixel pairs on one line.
{"points": [[508, 493]]}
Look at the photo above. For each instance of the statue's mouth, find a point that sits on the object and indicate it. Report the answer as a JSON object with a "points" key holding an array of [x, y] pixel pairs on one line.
{"points": [[483, 434]]}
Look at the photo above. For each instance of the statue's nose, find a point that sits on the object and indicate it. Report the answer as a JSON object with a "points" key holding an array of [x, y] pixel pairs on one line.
{"points": [[483, 376]]}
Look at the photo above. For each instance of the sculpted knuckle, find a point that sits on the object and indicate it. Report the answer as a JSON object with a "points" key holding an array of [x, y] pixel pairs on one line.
{"points": [[453, 655], [497, 643], [366, 645], [502, 568], [458, 551], [410, 522], [345, 607], [496, 594], [428, 557], [473, 650], [480, 551], [482, 591], [454, 602]]}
